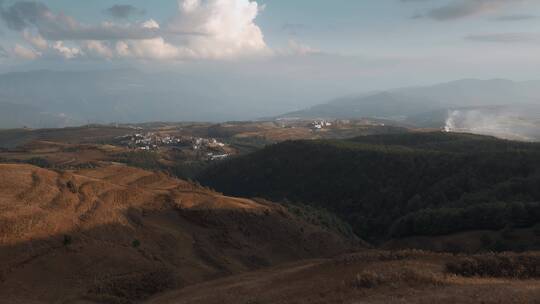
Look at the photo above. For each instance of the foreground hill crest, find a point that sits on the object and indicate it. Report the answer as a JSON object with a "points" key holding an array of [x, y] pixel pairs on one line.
{"points": [[117, 232]]}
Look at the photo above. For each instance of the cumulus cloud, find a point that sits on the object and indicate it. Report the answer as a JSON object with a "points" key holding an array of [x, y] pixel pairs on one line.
{"points": [[156, 48], [97, 49], [123, 11], [29, 15], [458, 9], [201, 29], [228, 27], [22, 52], [66, 52], [35, 40]]}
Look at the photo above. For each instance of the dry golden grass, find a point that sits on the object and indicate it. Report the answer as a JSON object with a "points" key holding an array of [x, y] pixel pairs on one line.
{"points": [[364, 277], [65, 235], [407, 276], [219, 249]]}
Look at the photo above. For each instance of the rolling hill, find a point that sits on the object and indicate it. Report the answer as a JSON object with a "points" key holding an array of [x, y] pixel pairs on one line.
{"points": [[400, 185], [116, 234], [110, 233]]}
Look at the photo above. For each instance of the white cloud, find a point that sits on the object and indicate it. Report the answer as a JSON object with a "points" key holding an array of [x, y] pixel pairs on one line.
{"points": [[25, 15], [156, 48], [66, 52], [22, 52], [35, 40], [150, 24], [227, 28], [201, 29], [97, 49]]}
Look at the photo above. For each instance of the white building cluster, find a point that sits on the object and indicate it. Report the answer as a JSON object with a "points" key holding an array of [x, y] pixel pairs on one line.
{"points": [[320, 124], [211, 147]]}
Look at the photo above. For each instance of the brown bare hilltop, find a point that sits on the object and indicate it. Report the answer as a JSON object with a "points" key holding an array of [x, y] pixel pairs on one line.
{"points": [[116, 234]]}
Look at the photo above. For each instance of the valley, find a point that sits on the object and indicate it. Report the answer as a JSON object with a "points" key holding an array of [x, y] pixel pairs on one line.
{"points": [[101, 221]]}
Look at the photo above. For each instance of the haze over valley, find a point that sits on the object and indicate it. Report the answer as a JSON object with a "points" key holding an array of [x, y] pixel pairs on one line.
{"points": [[49, 99]]}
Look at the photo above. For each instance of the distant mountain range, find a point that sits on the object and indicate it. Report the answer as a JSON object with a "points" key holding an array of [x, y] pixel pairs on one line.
{"points": [[496, 107], [45, 99]]}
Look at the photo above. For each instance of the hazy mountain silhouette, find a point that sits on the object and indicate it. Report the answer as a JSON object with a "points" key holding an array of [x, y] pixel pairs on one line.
{"points": [[498, 107]]}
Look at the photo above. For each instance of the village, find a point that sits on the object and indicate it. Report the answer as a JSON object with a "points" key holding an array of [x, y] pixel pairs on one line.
{"points": [[320, 124], [208, 148]]}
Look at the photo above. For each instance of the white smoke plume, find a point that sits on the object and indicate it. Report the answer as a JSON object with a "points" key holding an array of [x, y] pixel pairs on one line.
{"points": [[503, 122]]}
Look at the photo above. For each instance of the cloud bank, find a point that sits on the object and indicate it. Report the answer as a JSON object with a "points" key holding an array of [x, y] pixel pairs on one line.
{"points": [[200, 29]]}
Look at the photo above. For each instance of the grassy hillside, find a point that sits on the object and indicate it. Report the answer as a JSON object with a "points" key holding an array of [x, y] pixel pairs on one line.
{"points": [[116, 234], [377, 277], [401, 185]]}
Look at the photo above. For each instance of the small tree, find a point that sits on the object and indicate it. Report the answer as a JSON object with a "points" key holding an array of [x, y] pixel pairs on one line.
{"points": [[67, 240]]}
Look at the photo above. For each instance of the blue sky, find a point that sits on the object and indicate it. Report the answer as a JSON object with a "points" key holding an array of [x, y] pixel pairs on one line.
{"points": [[389, 42]]}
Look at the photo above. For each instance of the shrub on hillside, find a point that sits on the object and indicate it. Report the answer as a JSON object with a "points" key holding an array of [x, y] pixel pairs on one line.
{"points": [[321, 217], [67, 240], [367, 279], [133, 287], [411, 277], [142, 159], [39, 162], [497, 265]]}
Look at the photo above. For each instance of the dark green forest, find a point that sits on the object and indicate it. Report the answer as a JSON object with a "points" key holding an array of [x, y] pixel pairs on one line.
{"points": [[397, 185]]}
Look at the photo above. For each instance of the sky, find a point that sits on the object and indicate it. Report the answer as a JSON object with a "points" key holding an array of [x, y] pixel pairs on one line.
{"points": [[347, 45]]}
